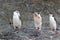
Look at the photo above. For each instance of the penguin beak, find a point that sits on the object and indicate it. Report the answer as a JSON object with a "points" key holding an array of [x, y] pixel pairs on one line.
{"points": [[35, 14]]}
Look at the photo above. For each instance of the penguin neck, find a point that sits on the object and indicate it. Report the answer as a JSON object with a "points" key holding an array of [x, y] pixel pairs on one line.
{"points": [[16, 16]]}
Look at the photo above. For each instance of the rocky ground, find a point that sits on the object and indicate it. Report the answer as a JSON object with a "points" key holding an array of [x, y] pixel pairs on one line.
{"points": [[27, 8]]}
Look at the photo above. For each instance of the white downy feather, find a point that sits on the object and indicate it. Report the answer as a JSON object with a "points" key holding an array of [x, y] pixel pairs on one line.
{"points": [[16, 20], [37, 21], [52, 22]]}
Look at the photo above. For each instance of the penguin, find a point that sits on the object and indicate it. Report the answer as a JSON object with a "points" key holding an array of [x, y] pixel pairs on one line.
{"points": [[37, 20], [52, 22], [16, 20]]}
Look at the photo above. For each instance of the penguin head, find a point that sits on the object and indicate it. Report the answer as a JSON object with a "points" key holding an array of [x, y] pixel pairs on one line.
{"points": [[36, 14], [50, 14], [16, 13]]}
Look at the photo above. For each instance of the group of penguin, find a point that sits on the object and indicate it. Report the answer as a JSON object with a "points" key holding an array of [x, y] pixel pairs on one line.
{"points": [[37, 21]]}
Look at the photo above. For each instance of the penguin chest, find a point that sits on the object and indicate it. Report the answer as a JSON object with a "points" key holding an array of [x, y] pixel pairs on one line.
{"points": [[16, 21]]}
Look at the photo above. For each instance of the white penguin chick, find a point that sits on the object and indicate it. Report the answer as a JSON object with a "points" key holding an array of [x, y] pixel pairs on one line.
{"points": [[16, 20], [37, 20], [52, 22]]}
